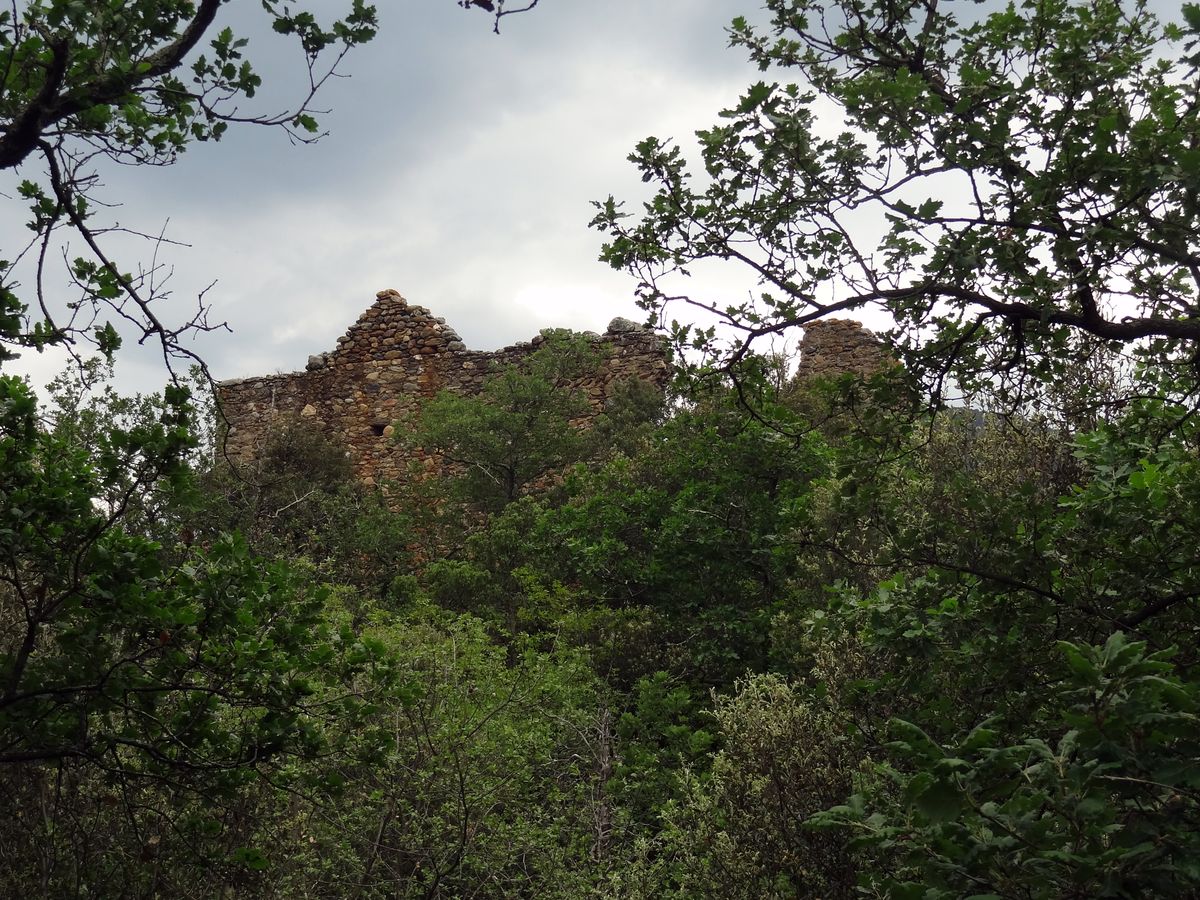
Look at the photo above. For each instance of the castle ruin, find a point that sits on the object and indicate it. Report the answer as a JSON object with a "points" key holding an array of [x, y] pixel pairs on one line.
{"points": [[398, 356]]}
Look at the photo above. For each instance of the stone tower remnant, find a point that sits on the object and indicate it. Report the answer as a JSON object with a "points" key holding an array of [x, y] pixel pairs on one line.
{"points": [[833, 347]]}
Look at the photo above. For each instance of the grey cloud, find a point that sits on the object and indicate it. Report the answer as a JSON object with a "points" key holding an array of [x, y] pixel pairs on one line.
{"points": [[459, 170]]}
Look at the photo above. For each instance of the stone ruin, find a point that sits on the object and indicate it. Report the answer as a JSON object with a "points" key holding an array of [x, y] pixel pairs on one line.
{"points": [[393, 359], [397, 356], [833, 347]]}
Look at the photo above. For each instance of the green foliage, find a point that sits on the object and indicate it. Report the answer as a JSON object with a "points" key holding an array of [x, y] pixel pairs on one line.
{"points": [[519, 429], [177, 672], [781, 639], [687, 541], [648, 682], [132, 83], [997, 181], [694, 530], [298, 501], [659, 736], [738, 829], [633, 410], [1102, 803], [1004, 558], [481, 787]]}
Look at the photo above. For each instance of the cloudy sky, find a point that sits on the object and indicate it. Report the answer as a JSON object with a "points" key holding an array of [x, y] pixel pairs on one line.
{"points": [[458, 169]]}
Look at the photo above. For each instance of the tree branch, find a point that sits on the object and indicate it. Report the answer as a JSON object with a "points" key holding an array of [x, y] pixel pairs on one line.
{"points": [[49, 107]]}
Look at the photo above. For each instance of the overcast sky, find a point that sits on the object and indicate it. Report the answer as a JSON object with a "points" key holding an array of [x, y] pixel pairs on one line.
{"points": [[458, 169]]}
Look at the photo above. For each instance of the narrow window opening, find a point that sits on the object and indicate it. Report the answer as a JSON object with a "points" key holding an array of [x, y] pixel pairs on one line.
{"points": [[377, 430]]}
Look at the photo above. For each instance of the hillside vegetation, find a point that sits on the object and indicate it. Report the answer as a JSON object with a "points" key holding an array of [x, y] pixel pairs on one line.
{"points": [[930, 632]]}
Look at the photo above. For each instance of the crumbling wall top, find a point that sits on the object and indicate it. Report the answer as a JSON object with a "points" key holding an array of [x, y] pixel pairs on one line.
{"points": [[394, 358], [833, 347]]}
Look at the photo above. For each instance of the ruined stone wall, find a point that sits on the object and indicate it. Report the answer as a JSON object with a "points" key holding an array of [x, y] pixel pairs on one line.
{"points": [[833, 347], [393, 359]]}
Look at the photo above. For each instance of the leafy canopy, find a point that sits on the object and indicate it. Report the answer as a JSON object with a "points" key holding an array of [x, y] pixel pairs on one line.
{"points": [[131, 82], [999, 184]]}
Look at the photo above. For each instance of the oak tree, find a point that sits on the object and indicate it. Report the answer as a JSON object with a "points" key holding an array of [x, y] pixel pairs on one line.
{"points": [[1008, 186]]}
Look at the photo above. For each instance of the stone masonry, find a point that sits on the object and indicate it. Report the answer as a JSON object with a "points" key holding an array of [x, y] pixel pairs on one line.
{"points": [[832, 347], [394, 358]]}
